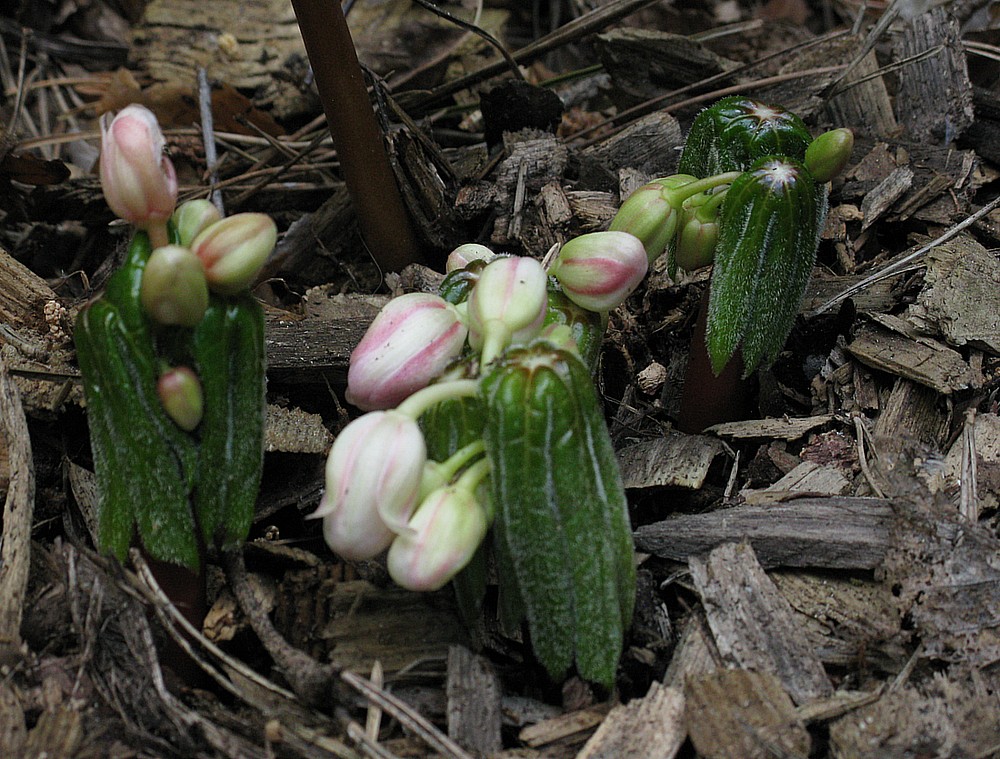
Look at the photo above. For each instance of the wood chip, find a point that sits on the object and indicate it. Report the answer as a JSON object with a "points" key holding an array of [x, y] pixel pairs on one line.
{"points": [[887, 192], [292, 430], [473, 691], [960, 299], [807, 477], [651, 726], [752, 623], [828, 533], [564, 727], [736, 713], [889, 345], [785, 428], [674, 460]]}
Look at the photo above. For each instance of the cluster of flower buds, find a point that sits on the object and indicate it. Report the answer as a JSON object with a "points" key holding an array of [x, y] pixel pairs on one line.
{"points": [[195, 250], [382, 492]]}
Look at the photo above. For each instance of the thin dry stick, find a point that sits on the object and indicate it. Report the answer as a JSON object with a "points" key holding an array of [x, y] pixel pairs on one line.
{"points": [[382, 216], [408, 717]]}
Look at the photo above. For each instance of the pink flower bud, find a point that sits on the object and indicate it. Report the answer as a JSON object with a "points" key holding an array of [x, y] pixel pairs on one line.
{"points": [[173, 288], [182, 397], [598, 271], [507, 305], [373, 475], [465, 254], [444, 533], [193, 217], [234, 249], [411, 340], [138, 179]]}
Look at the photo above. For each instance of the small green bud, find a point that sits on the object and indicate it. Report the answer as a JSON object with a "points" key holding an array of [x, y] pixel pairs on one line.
{"points": [[192, 218], [180, 393], [651, 213], [698, 231], [174, 290], [829, 153]]}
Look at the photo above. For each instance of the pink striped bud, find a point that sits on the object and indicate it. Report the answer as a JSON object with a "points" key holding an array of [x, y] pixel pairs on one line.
{"points": [[180, 393], [442, 536], [409, 343], [138, 179], [173, 289], [234, 249], [507, 305], [373, 475], [465, 254], [598, 271]]}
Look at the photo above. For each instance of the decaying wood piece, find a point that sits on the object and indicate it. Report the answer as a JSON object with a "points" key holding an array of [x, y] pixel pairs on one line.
{"points": [[292, 430], [259, 48], [960, 299], [652, 727], [12, 725], [934, 102], [695, 655], [862, 99], [885, 194], [945, 716], [674, 460], [982, 445], [58, 732], [890, 344], [877, 297], [743, 713], [752, 623], [15, 551], [649, 145], [828, 533], [845, 619], [473, 691]]}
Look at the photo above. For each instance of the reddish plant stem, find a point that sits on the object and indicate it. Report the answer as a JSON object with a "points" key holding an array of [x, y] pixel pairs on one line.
{"points": [[382, 217], [186, 590], [707, 399]]}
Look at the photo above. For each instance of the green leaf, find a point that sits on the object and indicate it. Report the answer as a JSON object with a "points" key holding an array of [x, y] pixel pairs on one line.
{"points": [[768, 235], [736, 131], [561, 509]]}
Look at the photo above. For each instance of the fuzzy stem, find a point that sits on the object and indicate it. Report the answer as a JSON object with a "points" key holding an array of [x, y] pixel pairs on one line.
{"points": [[708, 399], [426, 397], [382, 217], [158, 234]]}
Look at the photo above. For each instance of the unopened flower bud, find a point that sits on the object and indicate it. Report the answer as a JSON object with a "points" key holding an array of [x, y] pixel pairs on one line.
{"points": [[829, 153], [465, 254], [138, 179], [234, 249], [173, 289], [373, 475], [507, 305], [193, 217], [411, 340], [598, 271], [651, 214], [698, 231], [181, 395], [444, 533]]}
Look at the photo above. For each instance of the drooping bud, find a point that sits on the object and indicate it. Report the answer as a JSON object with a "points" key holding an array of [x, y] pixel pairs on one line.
{"points": [[411, 340], [233, 250], [444, 533], [373, 475], [137, 178], [182, 397], [598, 271], [698, 231], [829, 153], [173, 289], [651, 214], [193, 217], [507, 305], [465, 254]]}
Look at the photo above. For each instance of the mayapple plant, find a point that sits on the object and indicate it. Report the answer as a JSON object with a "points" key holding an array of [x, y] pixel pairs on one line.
{"points": [[749, 197], [172, 358], [484, 432]]}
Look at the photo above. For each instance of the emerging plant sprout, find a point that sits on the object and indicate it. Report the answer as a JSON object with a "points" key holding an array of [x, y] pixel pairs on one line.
{"points": [[172, 358]]}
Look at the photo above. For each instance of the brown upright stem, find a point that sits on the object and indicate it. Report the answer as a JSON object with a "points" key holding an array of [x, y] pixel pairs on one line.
{"points": [[382, 217], [707, 399]]}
